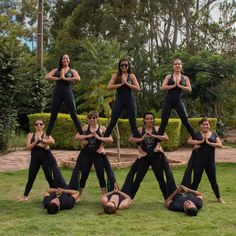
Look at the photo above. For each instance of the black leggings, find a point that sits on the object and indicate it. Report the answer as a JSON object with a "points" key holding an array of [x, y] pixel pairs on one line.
{"points": [[156, 164], [178, 105], [86, 164], [58, 98], [35, 163], [130, 107], [210, 169], [59, 181]]}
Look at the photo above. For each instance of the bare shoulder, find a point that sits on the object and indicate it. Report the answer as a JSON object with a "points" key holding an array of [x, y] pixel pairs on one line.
{"points": [[186, 77], [85, 127], [156, 128], [102, 128]]}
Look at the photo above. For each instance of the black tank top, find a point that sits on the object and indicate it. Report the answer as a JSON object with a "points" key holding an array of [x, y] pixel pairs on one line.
{"points": [[62, 83], [121, 198], [149, 143], [124, 91], [93, 143], [206, 152], [36, 150], [175, 92]]}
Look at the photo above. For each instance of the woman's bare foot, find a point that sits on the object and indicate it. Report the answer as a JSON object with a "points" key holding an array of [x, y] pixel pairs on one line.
{"points": [[220, 200], [23, 199]]}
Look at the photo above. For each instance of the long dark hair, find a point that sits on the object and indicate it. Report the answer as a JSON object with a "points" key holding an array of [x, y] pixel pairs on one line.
{"points": [[119, 71], [60, 65]]}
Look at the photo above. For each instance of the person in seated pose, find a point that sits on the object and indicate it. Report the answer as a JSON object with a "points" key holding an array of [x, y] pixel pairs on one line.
{"points": [[186, 200], [63, 196]]}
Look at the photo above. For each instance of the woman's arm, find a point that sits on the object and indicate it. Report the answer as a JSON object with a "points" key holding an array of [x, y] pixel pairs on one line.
{"points": [[50, 75], [186, 88], [48, 140], [74, 78], [217, 144], [195, 142], [172, 196], [112, 84], [163, 137], [125, 203], [136, 140], [165, 85], [30, 145], [81, 137], [103, 139], [135, 85]]}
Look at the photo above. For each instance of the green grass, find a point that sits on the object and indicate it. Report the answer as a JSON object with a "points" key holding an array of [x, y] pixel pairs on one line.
{"points": [[147, 215]]}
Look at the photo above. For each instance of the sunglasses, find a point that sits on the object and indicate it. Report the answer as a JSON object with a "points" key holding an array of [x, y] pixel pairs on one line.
{"points": [[124, 65], [36, 124], [92, 118]]}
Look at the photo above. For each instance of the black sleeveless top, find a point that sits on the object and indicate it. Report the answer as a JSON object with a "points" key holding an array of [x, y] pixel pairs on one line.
{"points": [[62, 83], [175, 92], [124, 92], [206, 152], [121, 198], [36, 150], [149, 143], [93, 143]]}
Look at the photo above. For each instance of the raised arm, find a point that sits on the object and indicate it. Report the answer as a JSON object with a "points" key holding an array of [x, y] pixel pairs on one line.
{"points": [[112, 85], [30, 145], [165, 85], [194, 142], [189, 190], [75, 76], [51, 75], [186, 88], [135, 85], [217, 144]]}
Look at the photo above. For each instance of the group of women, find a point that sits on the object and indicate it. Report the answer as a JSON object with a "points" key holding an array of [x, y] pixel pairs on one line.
{"points": [[148, 139]]}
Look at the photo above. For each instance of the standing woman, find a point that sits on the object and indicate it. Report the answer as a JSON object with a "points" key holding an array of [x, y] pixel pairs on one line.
{"points": [[175, 84], [38, 145], [90, 154], [151, 157], [205, 144], [64, 76], [125, 82]]}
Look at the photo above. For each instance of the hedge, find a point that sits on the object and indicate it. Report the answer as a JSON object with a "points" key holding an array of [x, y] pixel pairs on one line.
{"points": [[64, 130]]}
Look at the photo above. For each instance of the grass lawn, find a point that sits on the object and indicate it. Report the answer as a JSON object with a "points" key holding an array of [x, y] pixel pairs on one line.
{"points": [[147, 215]]}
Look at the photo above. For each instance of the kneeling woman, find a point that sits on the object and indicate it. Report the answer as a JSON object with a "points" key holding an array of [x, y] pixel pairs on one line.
{"points": [[152, 156], [114, 200], [90, 153]]}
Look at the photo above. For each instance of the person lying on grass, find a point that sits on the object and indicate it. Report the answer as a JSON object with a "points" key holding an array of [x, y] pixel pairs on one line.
{"points": [[186, 200]]}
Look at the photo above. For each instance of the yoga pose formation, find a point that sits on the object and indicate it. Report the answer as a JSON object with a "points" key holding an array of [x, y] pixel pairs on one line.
{"points": [[175, 84], [203, 158], [92, 154], [125, 82], [64, 75], [38, 144], [185, 200], [63, 196]]}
